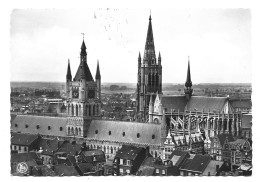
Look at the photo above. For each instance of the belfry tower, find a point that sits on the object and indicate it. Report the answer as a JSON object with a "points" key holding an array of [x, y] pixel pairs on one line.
{"points": [[83, 96], [149, 76]]}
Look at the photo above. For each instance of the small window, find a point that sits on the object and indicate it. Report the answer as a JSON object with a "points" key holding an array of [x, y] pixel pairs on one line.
{"points": [[123, 134], [25, 149], [14, 147], [37, 127], [16, 125], [121, 161], [61, 128], [96, 131], [153, 136], [49, 127], [163, 171], [19, 148], [26, 126], [121, 170], [138, 135], [157, 171], [109, 132], [128, 171]]}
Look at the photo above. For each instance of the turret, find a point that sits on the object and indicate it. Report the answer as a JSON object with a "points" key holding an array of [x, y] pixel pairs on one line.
{"points": [[188, 84], [98, 81], [159, 59], [68, 79]]}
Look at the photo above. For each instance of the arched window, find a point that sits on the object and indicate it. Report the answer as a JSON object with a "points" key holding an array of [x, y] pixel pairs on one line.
{"points": [[111, 150], [97, 106], [107, 149], [149, 81], [76, 131], [80, 110], [77, 110], [79, 131], [72, 131], [157, 80], [72, 109], [94, 112], [123, 134], [89, 110], [109, 132], [104, 149], [138, 135], [68, 109], [155, 154], [68, 130], [115, 149]]}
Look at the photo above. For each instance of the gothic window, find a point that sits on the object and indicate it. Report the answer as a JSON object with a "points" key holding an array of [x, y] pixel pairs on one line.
{"points": [[68, 130], [72, 131], [155, 154], [79, 131], [68, 109], [89, 110], [107, 149], [97, 109], [94, 107], [157, 80], [76, 131], [149, 80], [77, 110], [115, 149], [72, 109], [111, 150]]}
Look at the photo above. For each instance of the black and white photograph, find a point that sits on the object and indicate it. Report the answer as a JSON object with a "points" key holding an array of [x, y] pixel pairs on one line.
{"points": [[131, 92]]}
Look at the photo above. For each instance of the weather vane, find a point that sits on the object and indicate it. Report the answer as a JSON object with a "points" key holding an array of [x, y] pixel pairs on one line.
{"points": [[83, 35]]}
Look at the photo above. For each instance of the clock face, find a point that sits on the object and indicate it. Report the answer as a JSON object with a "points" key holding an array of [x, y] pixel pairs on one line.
{"points": [[91, 94], [75, 93]]}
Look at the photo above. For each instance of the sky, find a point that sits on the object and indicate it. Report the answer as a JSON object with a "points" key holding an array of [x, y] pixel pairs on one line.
{"points": [[218, 42]]}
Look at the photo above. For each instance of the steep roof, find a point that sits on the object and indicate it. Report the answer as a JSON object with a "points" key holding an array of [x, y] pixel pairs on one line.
{"points": [[188, 82], [48, 146], [177, 157], [39, 125], [24, 157], [145, 171], [246, 120], [69, 148], [200, 103], [64, 170], [174, 102], [98, 76], [241, 103], [83, 72], [198, 163], [115, 131], [211, 168], [89, 154], [23, 139], [129, 152]]}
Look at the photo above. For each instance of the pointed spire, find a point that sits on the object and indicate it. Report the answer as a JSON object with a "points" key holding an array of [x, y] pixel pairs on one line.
{"points": [[98, 76], [83, 48], [188, 83], [68, 76], [159, 57]]}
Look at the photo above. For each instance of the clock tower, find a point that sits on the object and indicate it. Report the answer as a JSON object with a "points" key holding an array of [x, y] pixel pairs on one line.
{"points": [[83, 97]]}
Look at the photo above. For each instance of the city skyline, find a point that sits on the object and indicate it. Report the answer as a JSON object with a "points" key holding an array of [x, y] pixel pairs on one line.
{"points": [[42, 41]]}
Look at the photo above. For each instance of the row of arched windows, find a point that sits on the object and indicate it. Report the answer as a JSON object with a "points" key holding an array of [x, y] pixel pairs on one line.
{"points": [[153, 80], [105, 149], [74, 131], [75, 110]]}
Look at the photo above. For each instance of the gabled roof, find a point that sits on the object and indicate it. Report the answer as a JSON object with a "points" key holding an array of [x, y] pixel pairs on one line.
{"points": [[64, 170], [197, 164], [69, 148], [177, 157], [212, 168], [23, 139], [174, 102], [24, 157], [129, 152], [202, 103], [115, 131], [90, 154], [49, 146]]}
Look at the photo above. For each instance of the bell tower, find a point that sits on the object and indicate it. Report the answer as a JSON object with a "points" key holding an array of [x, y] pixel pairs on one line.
{"points": [[83, 97], [149, 76]]}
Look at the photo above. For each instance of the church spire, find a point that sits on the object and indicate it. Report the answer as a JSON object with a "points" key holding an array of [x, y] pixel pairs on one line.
{"points": [[188, 79], [83, 48], [98, 76], [149, 52], [68, 76]]}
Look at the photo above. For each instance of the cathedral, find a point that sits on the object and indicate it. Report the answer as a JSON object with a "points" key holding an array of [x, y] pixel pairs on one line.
{"points": [[164, 123]]}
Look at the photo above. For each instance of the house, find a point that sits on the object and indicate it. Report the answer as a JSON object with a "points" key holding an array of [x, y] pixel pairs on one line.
{"points": [[129, 158], [47, 148], [214, 168], [195, 166], [155, 167], [23, 143], [178, 157]]}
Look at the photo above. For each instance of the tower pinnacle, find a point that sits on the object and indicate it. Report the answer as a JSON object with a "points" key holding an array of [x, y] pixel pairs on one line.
{"points": [[188, 79], [98, 76], [68, 76]]}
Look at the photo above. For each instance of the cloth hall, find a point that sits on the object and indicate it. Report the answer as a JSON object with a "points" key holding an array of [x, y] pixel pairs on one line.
{"points": [[163, 123]]}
